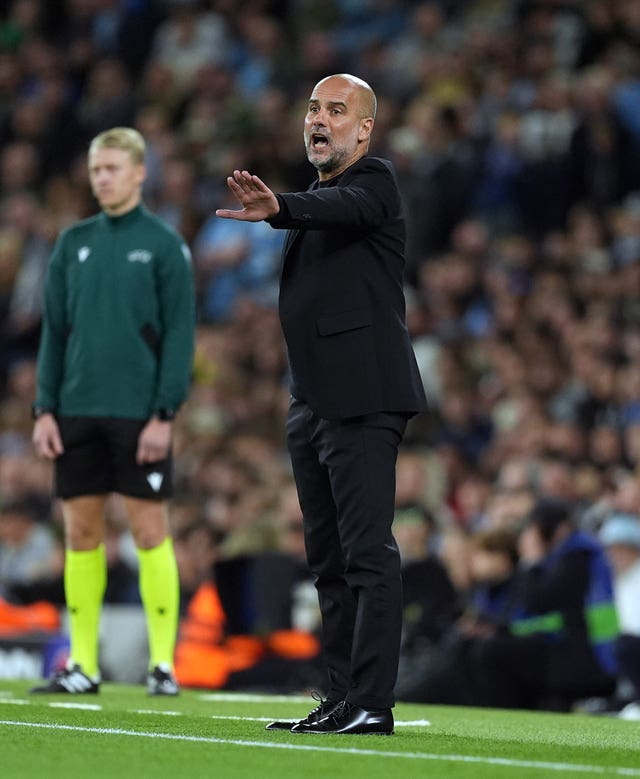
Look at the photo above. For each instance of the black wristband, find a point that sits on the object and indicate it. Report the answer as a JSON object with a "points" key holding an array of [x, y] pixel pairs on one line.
{"points": [[165, 414], [37, 411]]}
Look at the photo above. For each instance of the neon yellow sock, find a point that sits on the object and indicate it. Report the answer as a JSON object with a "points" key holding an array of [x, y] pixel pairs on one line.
{"points": [[85, 579], [159, 589]]}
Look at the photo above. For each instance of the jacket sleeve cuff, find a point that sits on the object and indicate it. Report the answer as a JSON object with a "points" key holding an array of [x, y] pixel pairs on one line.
{"points": [[282, 218]]}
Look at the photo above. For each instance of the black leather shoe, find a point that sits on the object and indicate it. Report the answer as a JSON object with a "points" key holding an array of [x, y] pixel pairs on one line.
{"points": [[321, 710], [347, 718], [280, 725]]}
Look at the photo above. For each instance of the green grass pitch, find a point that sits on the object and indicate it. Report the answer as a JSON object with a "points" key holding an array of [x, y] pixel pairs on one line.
{"points": [[124, 734]]}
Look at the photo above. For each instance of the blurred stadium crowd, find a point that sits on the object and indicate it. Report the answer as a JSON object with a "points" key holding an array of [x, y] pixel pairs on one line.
{"points": [[514, 126]]}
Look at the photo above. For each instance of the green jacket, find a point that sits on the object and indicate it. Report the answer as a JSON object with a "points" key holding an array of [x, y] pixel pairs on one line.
{"points": [[118, 327]]}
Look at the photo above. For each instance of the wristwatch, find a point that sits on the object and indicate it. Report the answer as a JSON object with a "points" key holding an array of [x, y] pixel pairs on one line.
{"points": [[165, 414], [37, 411]]}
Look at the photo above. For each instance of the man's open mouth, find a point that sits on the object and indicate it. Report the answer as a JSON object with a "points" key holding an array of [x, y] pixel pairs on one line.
{"points": [[319, 141]]}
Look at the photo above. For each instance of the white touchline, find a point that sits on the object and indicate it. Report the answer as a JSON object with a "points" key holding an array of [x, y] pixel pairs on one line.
{"points": [[161, 712], [495, 761], [422, 723], [252, 697]]}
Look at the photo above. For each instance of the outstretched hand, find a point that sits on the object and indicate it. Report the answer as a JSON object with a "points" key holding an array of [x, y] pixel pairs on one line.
{"points": [[257, 200]]}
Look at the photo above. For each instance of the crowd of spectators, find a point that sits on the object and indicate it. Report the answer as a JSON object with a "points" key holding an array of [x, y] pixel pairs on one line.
{"points": [[514, 127]]}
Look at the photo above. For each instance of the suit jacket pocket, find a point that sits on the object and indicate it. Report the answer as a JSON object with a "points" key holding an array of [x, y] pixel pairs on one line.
{"points": [[354, 319]]}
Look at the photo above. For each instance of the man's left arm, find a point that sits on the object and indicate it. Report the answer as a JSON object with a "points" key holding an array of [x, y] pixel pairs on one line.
{"points": [[177, 311], [366, 199], [367, 195]]}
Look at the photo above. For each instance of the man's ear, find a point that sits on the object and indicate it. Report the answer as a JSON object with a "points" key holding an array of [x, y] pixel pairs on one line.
{"points": [[365, 129], [141, 174]]}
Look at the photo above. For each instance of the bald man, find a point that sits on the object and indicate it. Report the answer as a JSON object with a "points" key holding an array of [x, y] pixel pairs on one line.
{"points": [[354, 385]]}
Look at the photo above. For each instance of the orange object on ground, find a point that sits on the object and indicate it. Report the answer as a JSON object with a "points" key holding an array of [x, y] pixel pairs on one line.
{"points": [[293, 644], [204, 656], [29, 618]]}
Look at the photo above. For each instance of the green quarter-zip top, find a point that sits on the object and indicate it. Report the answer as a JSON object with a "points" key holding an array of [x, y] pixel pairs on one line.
{"points": [[118, 327]]}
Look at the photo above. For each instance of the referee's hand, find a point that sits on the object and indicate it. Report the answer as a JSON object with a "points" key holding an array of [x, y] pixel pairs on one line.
{"points": [[46, 437], [154, 441]]}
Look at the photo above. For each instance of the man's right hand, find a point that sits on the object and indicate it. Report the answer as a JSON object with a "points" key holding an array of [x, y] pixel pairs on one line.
{"points": [[46, 437]]}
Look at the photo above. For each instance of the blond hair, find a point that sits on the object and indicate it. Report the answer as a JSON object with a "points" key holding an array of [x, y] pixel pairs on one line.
{"points": [[125, 138]]}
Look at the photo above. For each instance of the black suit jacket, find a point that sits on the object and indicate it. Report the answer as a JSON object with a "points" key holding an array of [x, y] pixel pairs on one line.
{"points": [[342, 304]]}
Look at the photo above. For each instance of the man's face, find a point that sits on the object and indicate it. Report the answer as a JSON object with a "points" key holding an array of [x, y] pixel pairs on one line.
{"points": [[336, 133], [116, 180]]}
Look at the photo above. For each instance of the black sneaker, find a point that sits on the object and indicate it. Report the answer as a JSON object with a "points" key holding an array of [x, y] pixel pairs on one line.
{"points": [[71, 681], [161, 682], [323, 708]]}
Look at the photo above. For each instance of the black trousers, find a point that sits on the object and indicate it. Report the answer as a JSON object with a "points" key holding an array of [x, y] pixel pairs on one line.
{"points": [[345, 476]]}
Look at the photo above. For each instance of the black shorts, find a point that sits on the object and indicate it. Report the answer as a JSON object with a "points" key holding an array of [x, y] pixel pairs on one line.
{"points": [[100, 457]]}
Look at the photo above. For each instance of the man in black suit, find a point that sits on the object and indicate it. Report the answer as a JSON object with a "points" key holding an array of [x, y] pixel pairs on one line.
{"points": [[355, 383]]}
